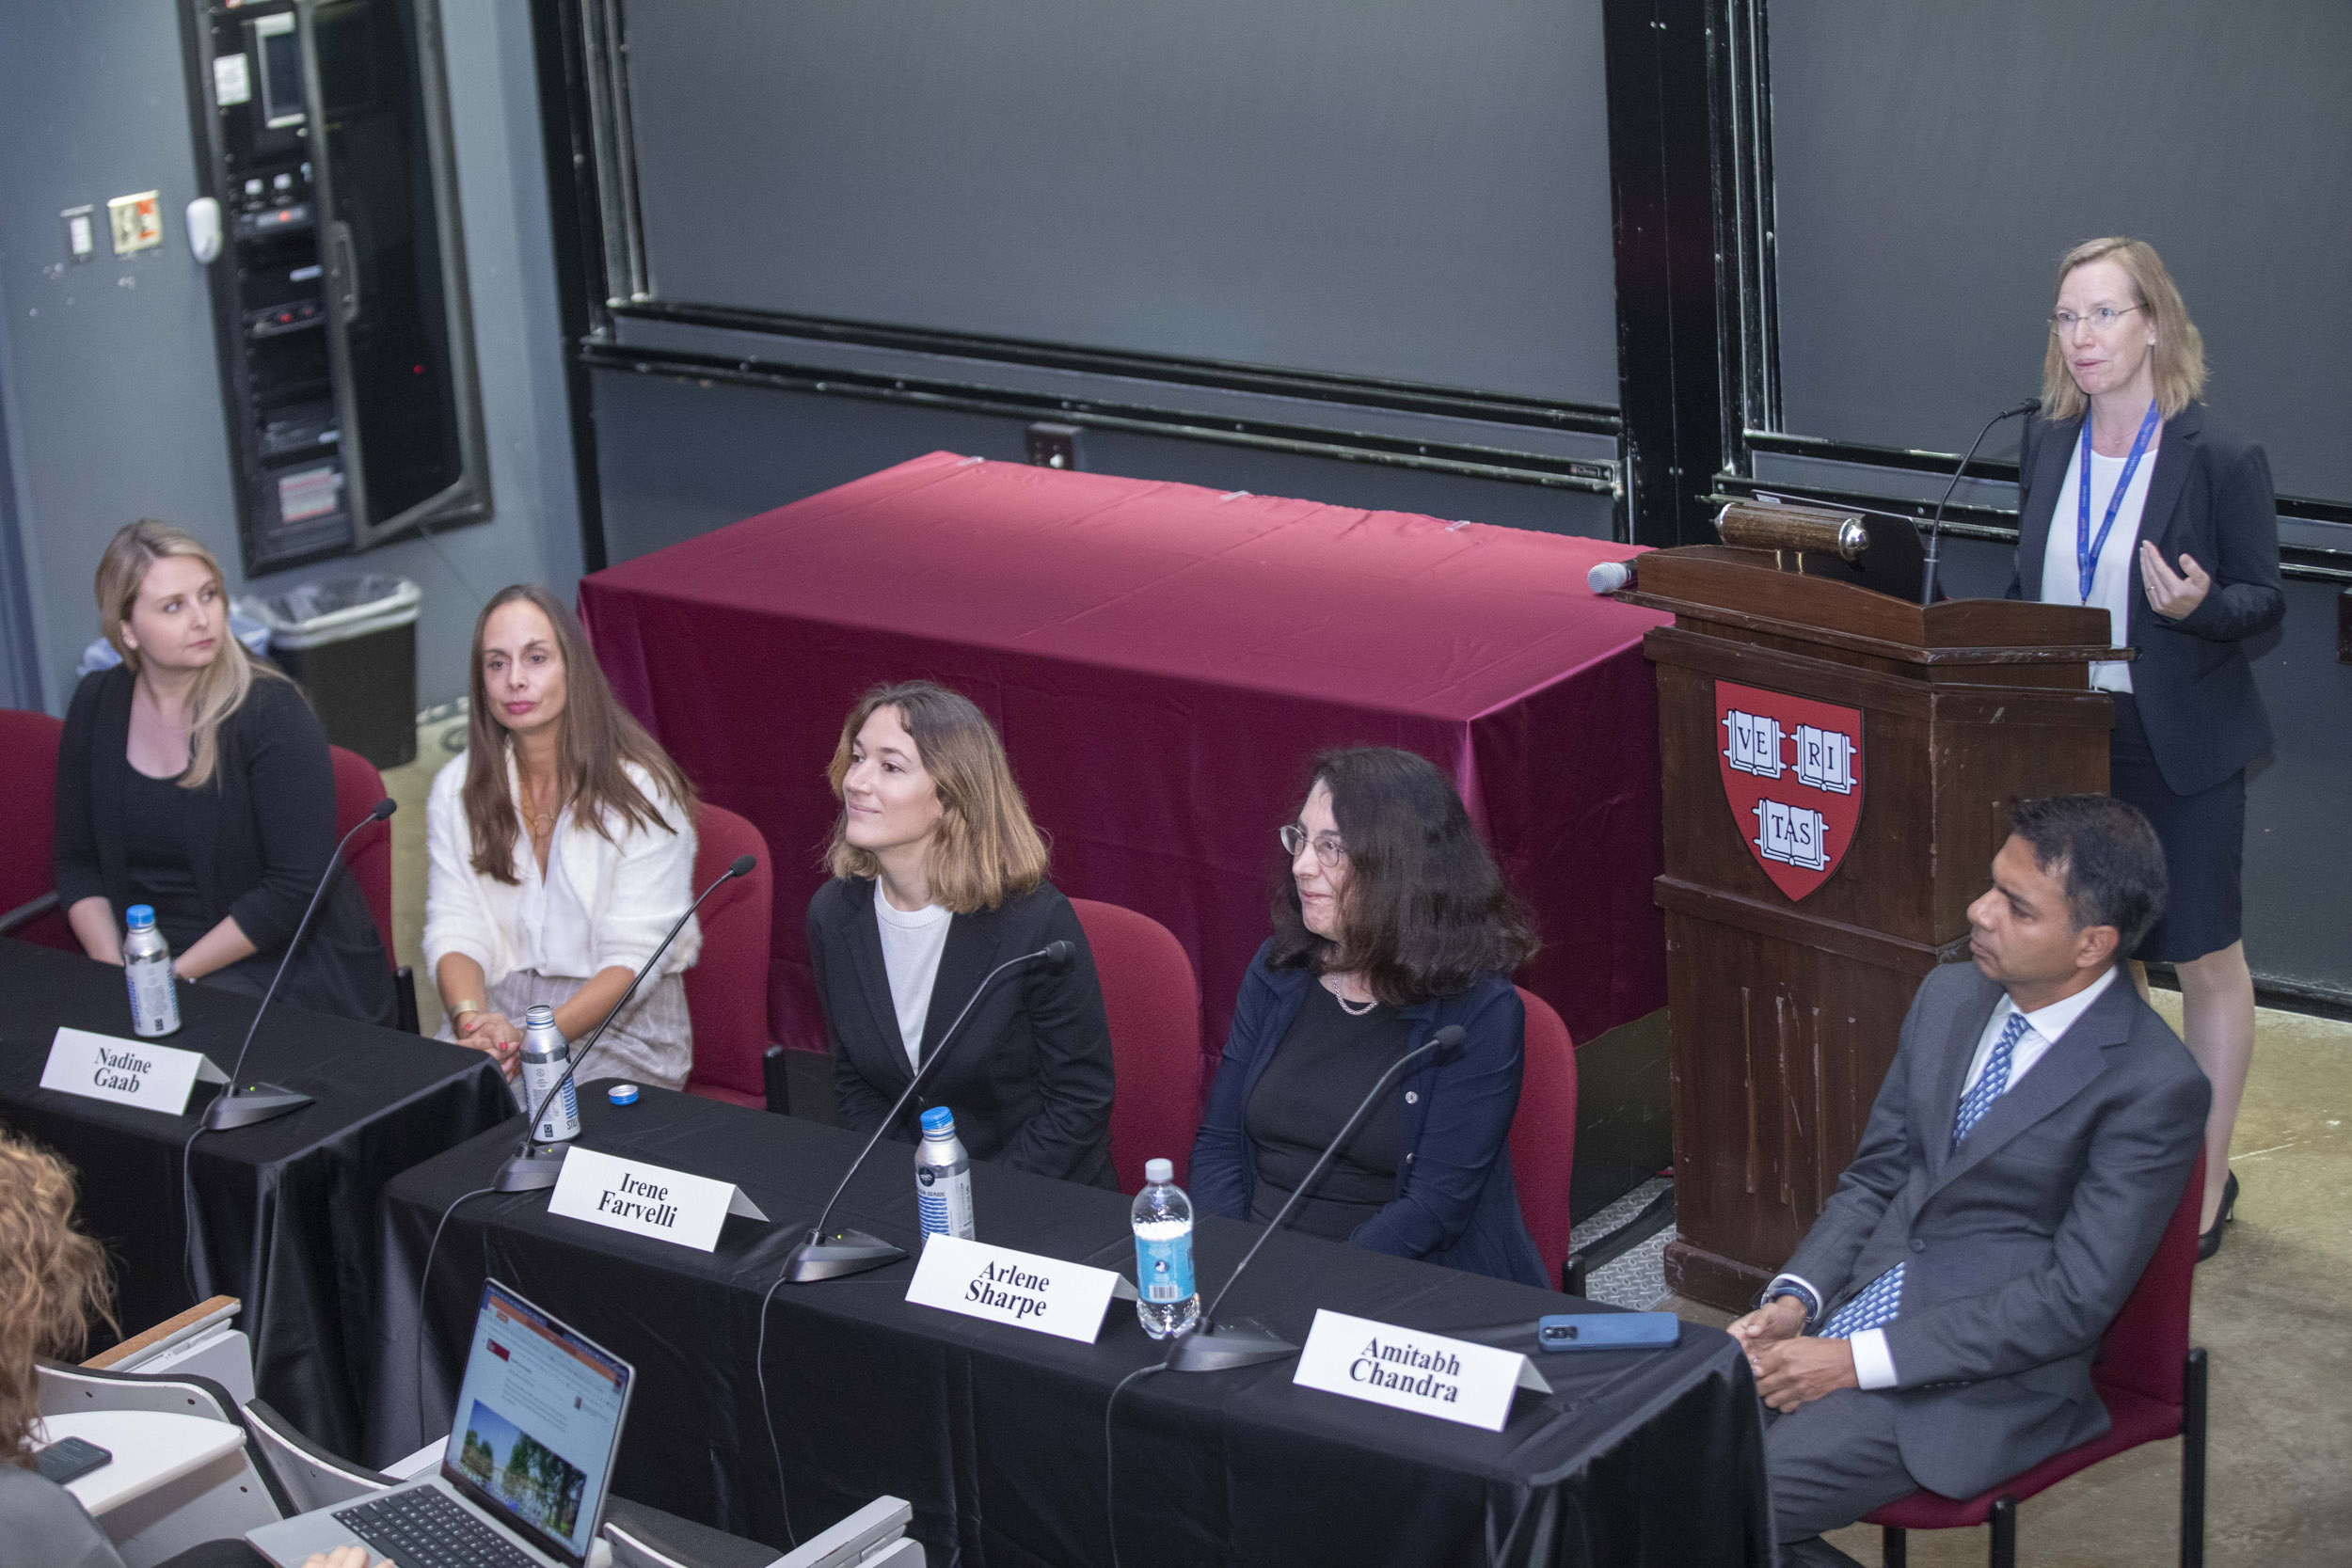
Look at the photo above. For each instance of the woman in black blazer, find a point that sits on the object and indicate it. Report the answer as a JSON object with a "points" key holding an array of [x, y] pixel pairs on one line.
{"points": [[194, 778], [2133, 498], [938, 876]]}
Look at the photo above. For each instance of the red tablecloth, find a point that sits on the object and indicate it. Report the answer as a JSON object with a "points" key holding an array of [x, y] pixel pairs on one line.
{"points": [[1162, 662]]}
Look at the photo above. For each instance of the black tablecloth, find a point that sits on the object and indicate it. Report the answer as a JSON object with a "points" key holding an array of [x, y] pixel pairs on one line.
{"points": [[995, 1434], [288, 1208]]}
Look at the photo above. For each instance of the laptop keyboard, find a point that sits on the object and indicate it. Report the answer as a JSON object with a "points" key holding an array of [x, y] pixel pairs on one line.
{"points": [[421, 1527]]}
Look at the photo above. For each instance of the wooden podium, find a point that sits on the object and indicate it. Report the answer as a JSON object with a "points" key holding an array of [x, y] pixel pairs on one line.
{"points": [[1838, 765]]}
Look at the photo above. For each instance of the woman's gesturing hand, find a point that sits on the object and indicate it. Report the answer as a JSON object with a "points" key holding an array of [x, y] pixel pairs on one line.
{"points": [[2173, 594]]}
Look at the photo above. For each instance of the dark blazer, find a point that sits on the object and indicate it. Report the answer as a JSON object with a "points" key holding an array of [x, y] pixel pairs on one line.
{"points": [[257, 854], [1456, 1202], [2210, 498], [2020, 1248], [1031, 1084]]}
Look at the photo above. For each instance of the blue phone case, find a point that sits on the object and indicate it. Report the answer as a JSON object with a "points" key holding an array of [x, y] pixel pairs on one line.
{"points": [[1564, 1331]]}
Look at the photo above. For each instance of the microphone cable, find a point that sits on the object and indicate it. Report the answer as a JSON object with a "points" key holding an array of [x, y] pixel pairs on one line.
{"points": [[1110, 1457], [425, 1280], [767, 1411], [188, 1219]]}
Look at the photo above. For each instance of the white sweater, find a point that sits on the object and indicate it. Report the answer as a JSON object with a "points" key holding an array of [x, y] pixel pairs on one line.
{"points": [[601, 906]]}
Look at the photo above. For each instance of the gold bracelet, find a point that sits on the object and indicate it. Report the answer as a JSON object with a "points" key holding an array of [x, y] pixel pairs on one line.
{"points": [[462, 1009]]}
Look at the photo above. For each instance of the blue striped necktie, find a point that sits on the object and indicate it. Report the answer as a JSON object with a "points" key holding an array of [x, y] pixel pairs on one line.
{"points": [[1879, 1300]]}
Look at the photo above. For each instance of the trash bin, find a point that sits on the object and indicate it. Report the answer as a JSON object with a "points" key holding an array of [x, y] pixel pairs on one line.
{"points": [[351, 642]]}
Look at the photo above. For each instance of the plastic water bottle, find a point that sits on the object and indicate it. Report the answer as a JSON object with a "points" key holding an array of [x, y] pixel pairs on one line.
{"points": [[544, 1057], [942, 1177], [1165, 1298], [147, 967]]}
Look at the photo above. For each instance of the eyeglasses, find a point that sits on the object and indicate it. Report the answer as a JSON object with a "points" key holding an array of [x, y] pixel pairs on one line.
{"points": [[1329, 851], [2102, 320]]}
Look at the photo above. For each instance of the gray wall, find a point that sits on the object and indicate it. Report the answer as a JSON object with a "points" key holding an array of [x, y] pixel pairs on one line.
{"points": [[109, 391], [679, 456]]}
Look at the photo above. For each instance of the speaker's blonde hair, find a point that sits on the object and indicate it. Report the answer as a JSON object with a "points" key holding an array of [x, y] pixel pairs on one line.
{"points": [[2179, 350], [53, 1282], [222, 685], [985, 849]]}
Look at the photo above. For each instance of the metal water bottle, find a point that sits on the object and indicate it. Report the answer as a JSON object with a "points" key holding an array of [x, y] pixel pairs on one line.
{"points": [[545, 1057], [147, 969], [942, 1177]]}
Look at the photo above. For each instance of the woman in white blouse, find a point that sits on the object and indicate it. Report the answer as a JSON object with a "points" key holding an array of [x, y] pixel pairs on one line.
{"points": [[562, 846]]}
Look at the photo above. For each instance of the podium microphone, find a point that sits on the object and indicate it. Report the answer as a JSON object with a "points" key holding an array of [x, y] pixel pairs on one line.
{"points": [[532, 1166], [830, 1255], [1935, 528], [265, 1101], [1206, 1347]]}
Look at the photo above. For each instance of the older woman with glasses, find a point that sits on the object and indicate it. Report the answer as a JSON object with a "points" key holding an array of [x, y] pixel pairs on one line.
{"points": [[2134, 499], [1391, 923]]}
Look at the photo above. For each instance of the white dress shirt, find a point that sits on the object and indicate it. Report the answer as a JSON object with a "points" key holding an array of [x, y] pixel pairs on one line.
{"points": [[2119, 563], [1873, 1363], [602, 904], [910, 944]]}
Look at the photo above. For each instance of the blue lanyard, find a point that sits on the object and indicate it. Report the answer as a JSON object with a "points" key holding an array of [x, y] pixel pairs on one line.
{"points": [[2087, 548]]}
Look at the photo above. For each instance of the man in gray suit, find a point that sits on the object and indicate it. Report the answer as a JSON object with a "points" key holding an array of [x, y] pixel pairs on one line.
{"points": [[1937, 1325]]}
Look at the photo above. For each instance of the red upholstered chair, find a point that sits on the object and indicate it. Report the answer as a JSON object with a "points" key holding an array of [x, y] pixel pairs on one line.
{"points": [[1543, 1133], [1154, 999], [726, 990], [358, 787], [2150, 1378], [29, 772]]}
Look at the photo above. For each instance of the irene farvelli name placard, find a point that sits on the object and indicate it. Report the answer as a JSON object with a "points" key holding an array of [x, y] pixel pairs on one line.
{"points": [[1407, 1368], [1017, 1287], [647, 1200], [128, 1072]]}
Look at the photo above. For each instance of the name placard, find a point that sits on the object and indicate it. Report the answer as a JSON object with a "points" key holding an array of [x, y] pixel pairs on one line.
{"points": [[1408, 1369], [1007, 1287], [647, 1200], [127, 1072]]}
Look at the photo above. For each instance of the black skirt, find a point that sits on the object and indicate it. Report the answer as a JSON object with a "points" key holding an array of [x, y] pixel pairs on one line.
{"points": [[2204, 843]]}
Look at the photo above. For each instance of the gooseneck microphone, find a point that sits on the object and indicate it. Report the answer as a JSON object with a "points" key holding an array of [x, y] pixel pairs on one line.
{"points": [[265, 1101], [1208, 1348], [1935, 528], [534, 1166], [829, 1255]]}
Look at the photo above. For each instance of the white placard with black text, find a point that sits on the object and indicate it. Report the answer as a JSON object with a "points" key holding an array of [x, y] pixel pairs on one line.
{"points": [[647, 1200], [1007, 1286], [1408, 1369], [128, 1072]]}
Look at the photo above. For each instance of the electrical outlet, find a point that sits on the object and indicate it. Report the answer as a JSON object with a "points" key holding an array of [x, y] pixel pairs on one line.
{"points": [[1054, 446]]}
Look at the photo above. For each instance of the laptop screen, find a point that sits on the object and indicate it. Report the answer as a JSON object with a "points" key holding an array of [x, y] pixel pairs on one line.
{"points": [[538, 1419]]}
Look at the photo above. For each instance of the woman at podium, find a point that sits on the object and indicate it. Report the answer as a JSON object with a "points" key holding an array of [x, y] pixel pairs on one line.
{"points": [[1393, 924], [2134, 499]]}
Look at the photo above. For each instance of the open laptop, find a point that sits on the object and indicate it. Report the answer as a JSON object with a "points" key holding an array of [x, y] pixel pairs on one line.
{"points": [[524, 1473]]}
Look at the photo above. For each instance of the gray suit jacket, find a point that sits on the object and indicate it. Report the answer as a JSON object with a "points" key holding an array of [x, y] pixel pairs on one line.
{"points": [[2022, 1246]]}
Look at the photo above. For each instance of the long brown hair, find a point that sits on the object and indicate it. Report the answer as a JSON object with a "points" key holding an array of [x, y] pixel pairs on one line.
{"points": [[52, 1281], [985, 849], [1425, 912], [2179, 350], [594, 736], [221, 688]]}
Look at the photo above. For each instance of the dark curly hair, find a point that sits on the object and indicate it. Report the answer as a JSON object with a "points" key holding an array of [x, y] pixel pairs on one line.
{"points": [[1424, 913]]}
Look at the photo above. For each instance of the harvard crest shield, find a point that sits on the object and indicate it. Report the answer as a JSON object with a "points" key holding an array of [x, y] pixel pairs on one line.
{"points": [[1793, 775]]}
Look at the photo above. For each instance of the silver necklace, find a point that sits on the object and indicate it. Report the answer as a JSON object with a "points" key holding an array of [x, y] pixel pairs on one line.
{"points": [[1353, 1009]]}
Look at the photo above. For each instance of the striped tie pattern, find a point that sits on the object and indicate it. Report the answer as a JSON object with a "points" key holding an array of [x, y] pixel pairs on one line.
{"points": [[1882, 1299]]}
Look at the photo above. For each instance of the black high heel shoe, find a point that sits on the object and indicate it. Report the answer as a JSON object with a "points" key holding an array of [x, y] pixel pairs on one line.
{"points": [[2210, 1242]]}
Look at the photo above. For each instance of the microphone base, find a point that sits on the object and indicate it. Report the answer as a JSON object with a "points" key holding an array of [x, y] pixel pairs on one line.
{"points": [[1216, 1348], [255, 1102], [535, 1169], [844, 1251]]}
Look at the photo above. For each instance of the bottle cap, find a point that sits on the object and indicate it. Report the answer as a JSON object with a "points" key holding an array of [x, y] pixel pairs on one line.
{"points": [[939, 1119], [622, 1094], [139, 916], [1159, 1170]]}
